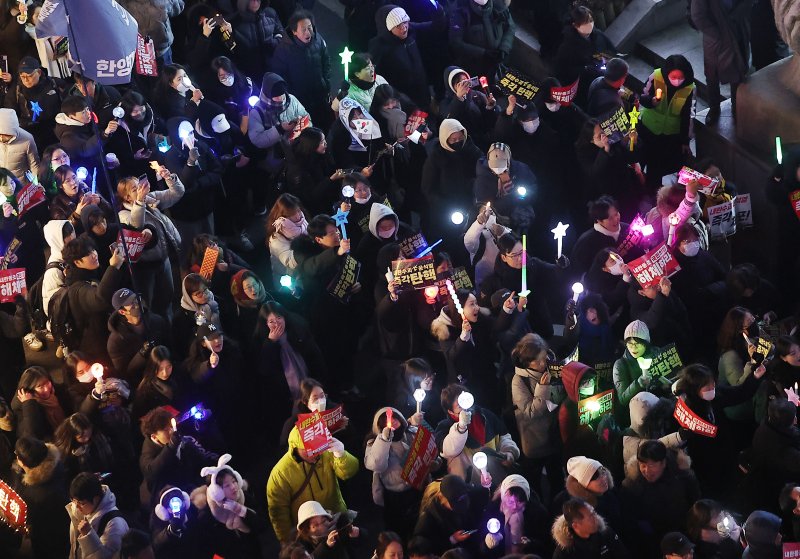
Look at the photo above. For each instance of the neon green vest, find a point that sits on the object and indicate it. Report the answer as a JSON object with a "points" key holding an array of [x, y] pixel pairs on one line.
{"points": [[665, 118]]}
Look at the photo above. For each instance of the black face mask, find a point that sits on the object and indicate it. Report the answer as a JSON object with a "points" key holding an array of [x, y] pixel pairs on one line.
{"points": [[399, 434], [458, 146]]}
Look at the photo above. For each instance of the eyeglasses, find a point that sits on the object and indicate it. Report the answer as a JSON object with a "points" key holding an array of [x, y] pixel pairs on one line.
{"points": [[514, 255], [632, 342]]}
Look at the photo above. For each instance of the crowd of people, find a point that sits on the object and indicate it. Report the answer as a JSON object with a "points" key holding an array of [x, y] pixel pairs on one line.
{"points": [[407, 293]]}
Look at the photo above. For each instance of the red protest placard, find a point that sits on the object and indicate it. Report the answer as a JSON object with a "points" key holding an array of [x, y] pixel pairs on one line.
{"points": [[794, 200], [134, 240], [334, 419], [707, 184], [415, 121], [314, 433], [421, 455], [689, 420], [13, 510], [650, 268], [565, 95], [145, 57], [209, 262], [791, 550], [12, 283], [303, 123], [29, 197]]}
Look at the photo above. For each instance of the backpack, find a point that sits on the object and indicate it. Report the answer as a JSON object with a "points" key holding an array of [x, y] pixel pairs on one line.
{"points": [[105, 519], [62, 323], [36, 301]]}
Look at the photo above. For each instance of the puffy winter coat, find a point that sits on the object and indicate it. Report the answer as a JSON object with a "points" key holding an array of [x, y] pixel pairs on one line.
{"points": [[92, 546], [386, 458], [603, 544], [153, 19], [475, 30], [305, 67], [288, 477], [534, 412], [20, 153]]}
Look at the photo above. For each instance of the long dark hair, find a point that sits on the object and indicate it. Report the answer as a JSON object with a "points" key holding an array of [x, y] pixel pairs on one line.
{"points": [[273, 307]]}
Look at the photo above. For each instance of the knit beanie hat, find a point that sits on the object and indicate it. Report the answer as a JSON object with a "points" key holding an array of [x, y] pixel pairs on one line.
{"points": [[516, 480], [453, 487], [616, 69], [761, 528], [582, 469], [395, 17], [637, 329], [640, 406]]}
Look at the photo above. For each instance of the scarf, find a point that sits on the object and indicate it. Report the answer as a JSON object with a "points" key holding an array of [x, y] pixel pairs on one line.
{"points": [[602, 230], [52, 410], [363, 84], [210, 310], [294, 366]]}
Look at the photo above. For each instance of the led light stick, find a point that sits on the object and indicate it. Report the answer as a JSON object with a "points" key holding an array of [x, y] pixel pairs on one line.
{"points": [[457, 217], [465, 400], [559, 233], [674, 220], [347, 56], [97, 371], [778, 150], [419, 396], [524, 292], [493, 526], [479, 460], [252, 100], [452, 291], [340, 218], [577, 289]]}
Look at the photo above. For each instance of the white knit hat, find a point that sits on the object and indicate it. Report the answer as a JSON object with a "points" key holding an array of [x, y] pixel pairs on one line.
{"points": [[582, 468], [637, 329], [395, 17], [516, 480], [308, 510]]}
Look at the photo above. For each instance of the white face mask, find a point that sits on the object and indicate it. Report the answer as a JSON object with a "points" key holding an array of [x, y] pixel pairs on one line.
{"points": [[387, 234], [481, 2], [616, 269], [552, 107], [708, 395], [691, 249], [227, 81], [499, 170], [319, 405], [181, 87], [675, 83], [586, 29], [362, 200], [530, 126]]}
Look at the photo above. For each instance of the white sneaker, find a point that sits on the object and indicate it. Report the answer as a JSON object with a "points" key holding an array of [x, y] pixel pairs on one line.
{"points": [[33, 342]]}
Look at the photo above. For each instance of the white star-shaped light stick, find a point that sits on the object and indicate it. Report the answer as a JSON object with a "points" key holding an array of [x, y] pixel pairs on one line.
{"points": [[347, 57], [558, 234]]}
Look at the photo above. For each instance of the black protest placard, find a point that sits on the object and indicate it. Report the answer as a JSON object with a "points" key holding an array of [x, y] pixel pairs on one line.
{"points": [[666, 363], [554, 368], [615, 125], [411, 246], [513, 82], [414, 273], [344, 281]]}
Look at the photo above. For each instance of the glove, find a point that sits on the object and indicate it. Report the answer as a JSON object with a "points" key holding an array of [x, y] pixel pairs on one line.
{"points": [[387, 434], [493, 540], [337, 447], [235, 508], [464, 419], [194, 155]]}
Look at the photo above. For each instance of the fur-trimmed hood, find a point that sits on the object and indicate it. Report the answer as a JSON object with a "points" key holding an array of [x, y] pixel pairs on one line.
{"points": [[44, 471], [564, 537], [575, 489]]}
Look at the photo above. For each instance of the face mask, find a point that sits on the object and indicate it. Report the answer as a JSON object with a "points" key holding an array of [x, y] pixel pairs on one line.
{"points": [[586, 387], [691, 249], [530, 126], [552, 107], [458, 145], [675, 83], [481, 2], [387, 234], [362, 201], [498, 170], [616, 269], [289, 228], [181, 87], [319, 405], [586, 29], [227, 81], [708, 395]]}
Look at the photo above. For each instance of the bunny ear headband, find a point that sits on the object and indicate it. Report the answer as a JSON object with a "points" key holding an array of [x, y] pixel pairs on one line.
{"points": [[222, 464]]}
